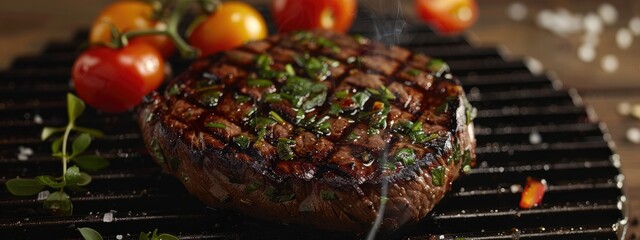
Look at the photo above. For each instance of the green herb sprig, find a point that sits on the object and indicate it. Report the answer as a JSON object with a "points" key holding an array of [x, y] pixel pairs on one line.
{"points": [[72, 178], [91, 234]]}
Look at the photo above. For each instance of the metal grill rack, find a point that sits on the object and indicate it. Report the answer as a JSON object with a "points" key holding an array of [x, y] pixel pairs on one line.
{"points": [[584, 199]]}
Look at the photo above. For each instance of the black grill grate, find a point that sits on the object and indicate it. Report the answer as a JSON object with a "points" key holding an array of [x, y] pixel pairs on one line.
{"points": [[584, 199]]}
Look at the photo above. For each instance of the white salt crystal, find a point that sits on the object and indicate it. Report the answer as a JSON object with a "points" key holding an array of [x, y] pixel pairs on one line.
{"points": [[624, 39], [609, 63], [634, 25], [633, 135], [586, 52], [37, 119], [107, 217], [517, 11], [535, 138], [608, 13], [534, 65], [624, 108], [592, 23], [43, 195]]}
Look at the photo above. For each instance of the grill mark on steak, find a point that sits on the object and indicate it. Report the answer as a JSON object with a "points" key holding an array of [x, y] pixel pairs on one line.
{"points": [[215, 105]]}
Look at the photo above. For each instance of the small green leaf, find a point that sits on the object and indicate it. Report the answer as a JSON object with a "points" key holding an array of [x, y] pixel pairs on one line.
{"points": [[90, 234], [59, 203], [90, 163], [215, 125], [406, 155], [284, 150], [90, 131], [49, 131], [276, 117], [24, 187], [50, 181], [75, 177], [75, 107], [242, 141], [144, 236], [80, 144], [165, 236], [56, 145]]}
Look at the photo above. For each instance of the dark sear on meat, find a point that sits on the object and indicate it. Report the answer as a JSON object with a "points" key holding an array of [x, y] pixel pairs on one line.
{"points": [[304, 127]]}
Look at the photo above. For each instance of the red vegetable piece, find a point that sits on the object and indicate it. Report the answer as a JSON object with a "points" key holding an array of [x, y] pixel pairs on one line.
{"points": [[533, 193]]}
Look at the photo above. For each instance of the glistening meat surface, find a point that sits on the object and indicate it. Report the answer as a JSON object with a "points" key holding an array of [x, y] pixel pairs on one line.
{"points": [[305, 127]]}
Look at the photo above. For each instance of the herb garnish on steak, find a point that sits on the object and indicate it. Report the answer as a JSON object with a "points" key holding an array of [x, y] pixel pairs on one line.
{"points": [[303, 128]]}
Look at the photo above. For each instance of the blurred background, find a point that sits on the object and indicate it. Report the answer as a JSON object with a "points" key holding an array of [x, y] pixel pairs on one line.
{"points": [[592, 46]]}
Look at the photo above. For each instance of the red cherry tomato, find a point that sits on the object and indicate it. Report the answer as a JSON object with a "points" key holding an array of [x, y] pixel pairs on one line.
{"points": [[231, 25], [114, 80], [448, 16], [130, 16], [533, 193], [292, 15]]}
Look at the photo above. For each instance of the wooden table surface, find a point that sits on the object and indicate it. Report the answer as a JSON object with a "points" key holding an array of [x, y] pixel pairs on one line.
{"points": [[26, 25]]}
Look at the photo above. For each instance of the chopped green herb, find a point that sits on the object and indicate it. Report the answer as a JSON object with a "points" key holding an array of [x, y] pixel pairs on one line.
{"points": [[437, 67], [252, 187], [382, 93], [414, 131], [353, 136], [289, 69], [466, 157], [210, 98], [470, 112], [361, 98], [276, 196], [215, 125], [263, 62], [437, 175], [157, 152], [173, 90], [405, 155], [315, 101], [413, 72], [276, 117], [242, 141], [300, 115], [455, 154], [242, 98], [341, 94], [261, 83], [262, 122], [284, 148], [302, 35], [360, 39], [323, 127], [334, 109], [325, 42], [327, 195], [389, 166]]}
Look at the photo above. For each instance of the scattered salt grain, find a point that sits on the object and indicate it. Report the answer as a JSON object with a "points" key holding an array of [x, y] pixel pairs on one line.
{"points": [[517, 11], [624, 108], [609, 63], [37, 119], [107, 217], [119, 237], [24, 153], [591, 38], [545, 18], [634, 25], [633, 135], [43, 195], [608, 13], [624, 39], [515, 188], [592, 23], [535, 138], [586, 52], [23, 157]]}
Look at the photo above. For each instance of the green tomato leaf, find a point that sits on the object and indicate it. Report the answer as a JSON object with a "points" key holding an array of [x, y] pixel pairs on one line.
{"points": [[56, 146], [91, 163], [75, 107], [93, 132], [50, 181], [90, 234], [74, 176], [59, 203], [48, 131], [80, 144], [83, 179], [24, 187], [165, 236]]}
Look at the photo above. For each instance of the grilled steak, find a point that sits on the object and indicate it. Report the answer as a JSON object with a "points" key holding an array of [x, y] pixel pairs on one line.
{"points": [[306, 127]]}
